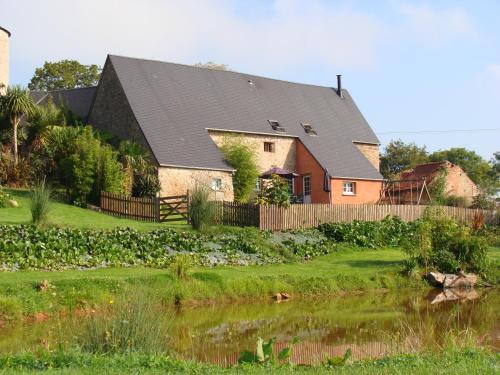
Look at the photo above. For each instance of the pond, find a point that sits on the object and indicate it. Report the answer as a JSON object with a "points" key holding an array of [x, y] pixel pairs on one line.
{"points": [[371, 324]]}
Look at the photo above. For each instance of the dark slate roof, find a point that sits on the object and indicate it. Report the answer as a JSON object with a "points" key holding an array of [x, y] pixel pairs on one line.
{"points": [[77, 100], [175, 104]]}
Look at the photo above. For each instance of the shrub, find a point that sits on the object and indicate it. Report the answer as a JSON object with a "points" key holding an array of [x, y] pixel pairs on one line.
{"points": [[181, 266], [109, 174], [40, 202], [4, 197], [455, 201], [128, 326], [241, 157], [201, 208], [276, 191], [484, 202]]}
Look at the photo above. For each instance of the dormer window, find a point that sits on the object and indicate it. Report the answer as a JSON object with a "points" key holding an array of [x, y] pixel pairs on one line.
{"points": [[309, 129], [276, 126]]}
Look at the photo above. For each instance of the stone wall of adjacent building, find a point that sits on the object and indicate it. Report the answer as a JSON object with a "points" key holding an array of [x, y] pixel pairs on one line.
{"points": [[178, 181], [111, 111], [4, 59], [284, 155], [371, 152], [459, 183]]}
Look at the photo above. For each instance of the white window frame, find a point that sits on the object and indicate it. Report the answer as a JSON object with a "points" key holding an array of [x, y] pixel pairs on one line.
{"points": [[348, 188], [308, 177], [216, 184]]}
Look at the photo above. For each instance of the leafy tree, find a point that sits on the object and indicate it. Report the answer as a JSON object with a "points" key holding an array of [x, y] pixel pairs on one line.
{"points": [[478, 169], [40, 123], [15, 104], [438, 187], [64, 74], [241, 156], [212, 65], [399, 156]]}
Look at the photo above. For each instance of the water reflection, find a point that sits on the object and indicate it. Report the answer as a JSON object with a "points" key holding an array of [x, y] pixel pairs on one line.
{"points": [[371, 324]]}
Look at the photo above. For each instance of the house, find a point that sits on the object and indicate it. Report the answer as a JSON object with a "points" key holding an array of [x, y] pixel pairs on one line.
{"points": [[181, 114], [457, 182]]}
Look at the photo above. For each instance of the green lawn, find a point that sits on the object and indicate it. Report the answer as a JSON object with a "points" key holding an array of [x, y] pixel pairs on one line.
{"points": [[62, 214]]}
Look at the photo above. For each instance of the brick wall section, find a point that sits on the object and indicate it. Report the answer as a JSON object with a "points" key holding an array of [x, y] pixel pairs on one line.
{"points": [[177, 181], [371, 152], [111, 111], [459, 183], [284, 154], [4, 59], [367, 191]]}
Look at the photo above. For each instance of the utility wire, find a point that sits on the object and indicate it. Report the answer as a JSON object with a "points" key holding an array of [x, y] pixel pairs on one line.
{"points": [[440, 131]]}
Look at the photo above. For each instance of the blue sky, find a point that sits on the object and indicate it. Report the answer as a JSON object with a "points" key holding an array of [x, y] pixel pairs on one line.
{"points": [[410, 65]]}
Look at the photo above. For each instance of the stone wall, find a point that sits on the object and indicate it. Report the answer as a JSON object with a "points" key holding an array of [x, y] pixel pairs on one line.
{"points": [[371, 152], [177, 181], [4, 59], [284, 155], [111, 111], [459, 183]]}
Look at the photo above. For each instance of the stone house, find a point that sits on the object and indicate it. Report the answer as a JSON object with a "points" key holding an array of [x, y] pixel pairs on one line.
{"points": [[457, 182], [181, 114]]}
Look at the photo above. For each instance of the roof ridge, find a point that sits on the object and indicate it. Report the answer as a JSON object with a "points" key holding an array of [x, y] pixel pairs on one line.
{"points": [[74, 88], [227, 71]]}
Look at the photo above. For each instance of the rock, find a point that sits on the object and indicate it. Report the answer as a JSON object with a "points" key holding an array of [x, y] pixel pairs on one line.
{"points": [[277, 297], [448, 280], [455, 294], [12, 203], [285, 295], [282, 296]]}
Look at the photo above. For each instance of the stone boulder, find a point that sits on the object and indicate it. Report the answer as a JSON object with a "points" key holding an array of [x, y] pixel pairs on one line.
{"points": [[12, 203], [448, 280]]}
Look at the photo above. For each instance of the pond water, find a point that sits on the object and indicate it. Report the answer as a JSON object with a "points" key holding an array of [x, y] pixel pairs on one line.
{"points": [[370, 324]]}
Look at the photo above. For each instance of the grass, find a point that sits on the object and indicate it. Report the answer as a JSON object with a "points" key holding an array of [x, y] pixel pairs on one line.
{"points": [[463, 361], [63, 215], [346, 269]]}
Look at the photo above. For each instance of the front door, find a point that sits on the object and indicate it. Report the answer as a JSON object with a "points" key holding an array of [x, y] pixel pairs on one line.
{"points": [[306, 186]]}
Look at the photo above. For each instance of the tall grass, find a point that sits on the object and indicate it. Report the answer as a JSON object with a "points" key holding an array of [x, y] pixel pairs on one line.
{"points": [[40, 202], [132, 325], [201, 208]]}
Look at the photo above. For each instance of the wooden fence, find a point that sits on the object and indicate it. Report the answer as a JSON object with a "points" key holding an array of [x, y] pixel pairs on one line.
{"points": [[237, 214], [311, 215], [146, 209]]}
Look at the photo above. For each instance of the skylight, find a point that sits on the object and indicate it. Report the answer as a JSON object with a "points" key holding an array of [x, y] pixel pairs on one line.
{"points": [[276, 126], [309, 129]]}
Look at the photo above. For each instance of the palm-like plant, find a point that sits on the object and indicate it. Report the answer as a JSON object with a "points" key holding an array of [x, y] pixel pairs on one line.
{"points": [[17, 103]]}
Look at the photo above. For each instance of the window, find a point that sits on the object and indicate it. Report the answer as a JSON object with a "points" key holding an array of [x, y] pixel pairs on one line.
{"points": [[216, 184], [309, 129], [290, 185], [307, 185], [349, 188], [276, 126], [269, 146]]}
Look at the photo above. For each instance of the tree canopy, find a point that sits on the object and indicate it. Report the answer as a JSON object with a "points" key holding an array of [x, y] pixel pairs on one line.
{"points": [[399, 156], [212, 65], [64, 74]]}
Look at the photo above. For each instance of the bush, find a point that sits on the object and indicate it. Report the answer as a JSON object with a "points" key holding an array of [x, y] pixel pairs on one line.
{"points": [[482, 201], [201, 208], [241, 157], [40, 202], [276, 191], [4, 197], [440, 243], [456, 201]]}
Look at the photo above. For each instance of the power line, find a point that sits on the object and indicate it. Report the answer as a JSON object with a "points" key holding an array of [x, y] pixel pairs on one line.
{"points": [[440, 131]]}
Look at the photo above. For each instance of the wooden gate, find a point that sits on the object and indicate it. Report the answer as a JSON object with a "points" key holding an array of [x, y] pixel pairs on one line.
{"points": [[174, 208]]}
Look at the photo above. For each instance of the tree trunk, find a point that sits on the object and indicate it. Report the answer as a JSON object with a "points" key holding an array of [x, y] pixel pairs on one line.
{"points": [[15, 123]]}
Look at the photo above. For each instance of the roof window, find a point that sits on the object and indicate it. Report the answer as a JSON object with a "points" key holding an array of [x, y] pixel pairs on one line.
{"points": [[309, 129], [276, 126]]}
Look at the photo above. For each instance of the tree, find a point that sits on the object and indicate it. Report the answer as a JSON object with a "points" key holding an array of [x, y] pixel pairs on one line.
{"points": [[275, 191], [16, 103], [399, 156], [241, 156], [478, 169], [212, 65], [64, 74]]}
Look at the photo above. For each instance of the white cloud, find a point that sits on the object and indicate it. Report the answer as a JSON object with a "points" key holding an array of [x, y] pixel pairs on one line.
{"points": [[436, 26], [292, 35]]}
